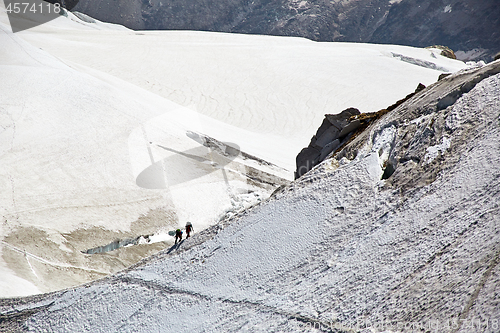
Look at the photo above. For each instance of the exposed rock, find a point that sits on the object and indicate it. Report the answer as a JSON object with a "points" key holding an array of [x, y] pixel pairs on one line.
{"points": [[330, 134], [306, 160], [336, 131], [445, 51], [442, 76], [342, 119], [462, 25], [327, 149], [353, 125], [425, 114]]}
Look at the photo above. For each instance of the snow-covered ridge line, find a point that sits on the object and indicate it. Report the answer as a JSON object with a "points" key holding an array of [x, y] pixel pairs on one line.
{"points": [[435, 98], [338, 130]]}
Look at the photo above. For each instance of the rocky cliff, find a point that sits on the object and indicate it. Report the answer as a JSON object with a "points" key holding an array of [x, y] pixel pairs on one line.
{"points": [[336, 131], [471, 27]]}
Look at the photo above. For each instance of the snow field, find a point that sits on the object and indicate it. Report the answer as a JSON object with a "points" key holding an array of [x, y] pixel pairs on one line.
{"points": [[95, 122], [332, 260]]}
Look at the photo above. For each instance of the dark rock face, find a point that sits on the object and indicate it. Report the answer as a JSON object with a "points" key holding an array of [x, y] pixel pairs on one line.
{"points": [[463, 25], [333, 132], [320, 20], [337, 130], [127, 13]]}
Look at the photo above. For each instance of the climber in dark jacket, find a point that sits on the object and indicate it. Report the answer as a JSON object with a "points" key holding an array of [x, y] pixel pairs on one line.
{"points": [[178, 235], [189, 229]]}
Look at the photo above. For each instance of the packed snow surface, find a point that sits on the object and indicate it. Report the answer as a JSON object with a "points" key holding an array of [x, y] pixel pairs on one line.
{"points": [[105, 133], [339, 249]]}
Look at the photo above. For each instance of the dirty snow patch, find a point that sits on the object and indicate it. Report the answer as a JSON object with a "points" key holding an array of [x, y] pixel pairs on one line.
{"points": [[433, 151]]}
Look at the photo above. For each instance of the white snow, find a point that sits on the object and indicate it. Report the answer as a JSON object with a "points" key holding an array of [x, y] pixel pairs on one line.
{"points": [[434, 151], [12, 285], [95, 122], [383, 143], [333, 251]]}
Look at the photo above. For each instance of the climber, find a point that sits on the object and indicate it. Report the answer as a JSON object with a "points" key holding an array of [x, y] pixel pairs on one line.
{"points": [[178, 235], [189, 229]]}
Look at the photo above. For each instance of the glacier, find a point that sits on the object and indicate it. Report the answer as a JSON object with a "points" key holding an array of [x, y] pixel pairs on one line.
{"points": [[339, 249], [109, 134]]}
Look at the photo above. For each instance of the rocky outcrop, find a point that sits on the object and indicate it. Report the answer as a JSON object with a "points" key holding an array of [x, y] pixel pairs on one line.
{"points": [[445, 51], [337, 130], [333, 132]]}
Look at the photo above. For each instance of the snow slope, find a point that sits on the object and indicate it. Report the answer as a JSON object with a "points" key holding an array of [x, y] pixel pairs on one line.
{"points": [[338, 250], [104, 133]]}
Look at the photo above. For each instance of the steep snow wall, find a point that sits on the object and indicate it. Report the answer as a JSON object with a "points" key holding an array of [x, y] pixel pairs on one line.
{"points": [[338, 250]]}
